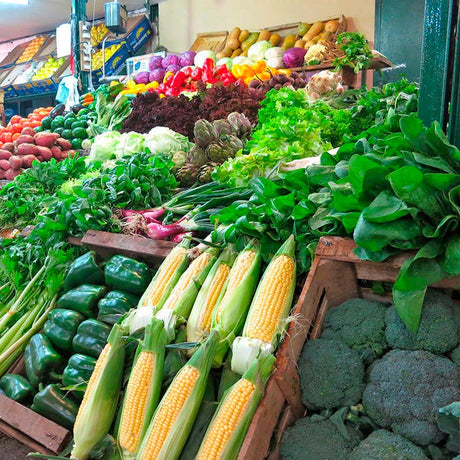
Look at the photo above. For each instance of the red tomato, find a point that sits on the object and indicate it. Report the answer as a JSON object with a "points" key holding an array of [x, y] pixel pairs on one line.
{"points": [[6, 137], [16, 128], [15, 119], [15, 136], [34, 124]]}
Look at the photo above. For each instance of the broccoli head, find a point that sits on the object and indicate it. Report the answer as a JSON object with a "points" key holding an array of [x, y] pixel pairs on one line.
{"points": [[331, 374], [318, 440], [385, 445], [405, 391], [360, 323], [437, 331]]}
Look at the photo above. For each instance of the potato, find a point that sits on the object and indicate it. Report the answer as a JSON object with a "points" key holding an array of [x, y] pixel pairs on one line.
{"points": [[24, 139], [5, 154], [57, 152], [8, 146], [45, 153], [27, 160], [15, 162], [12, 173], [5, 165], [45, 139], [27, 149], [28, 131], [64, 144]]}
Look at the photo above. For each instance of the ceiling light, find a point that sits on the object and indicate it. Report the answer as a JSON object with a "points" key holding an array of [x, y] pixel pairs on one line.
{"points": [[14, 2]]}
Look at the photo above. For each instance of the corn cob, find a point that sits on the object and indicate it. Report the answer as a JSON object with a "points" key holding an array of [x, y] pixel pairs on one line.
{"points": [[166, 277], [199, 322], [270, 306], [173, 419], [232, 306], [179, 303], [228, 428], [99, 404], [143, 389]]}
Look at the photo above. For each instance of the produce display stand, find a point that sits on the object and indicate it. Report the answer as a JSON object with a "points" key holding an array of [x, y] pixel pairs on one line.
{"points": [[29, 427], [335, 276]]}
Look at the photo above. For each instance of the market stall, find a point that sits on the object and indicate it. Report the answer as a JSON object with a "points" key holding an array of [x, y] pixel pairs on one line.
{"points": [[235, 251]]}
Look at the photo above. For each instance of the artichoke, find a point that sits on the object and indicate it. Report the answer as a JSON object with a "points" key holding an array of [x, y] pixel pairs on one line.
{"points": [[219, 152], [187, 175], [205, 173], [197, 156], [205, 133], [235, 143], [223, 127], [240, 124]]}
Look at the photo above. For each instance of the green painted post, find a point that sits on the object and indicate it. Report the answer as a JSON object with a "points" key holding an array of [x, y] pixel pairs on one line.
{"points": [[78, 13], [435, 61], [454, 115]]}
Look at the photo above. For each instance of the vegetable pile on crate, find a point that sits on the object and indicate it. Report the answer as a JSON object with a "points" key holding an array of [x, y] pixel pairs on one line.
{"points": [[374, 389]]}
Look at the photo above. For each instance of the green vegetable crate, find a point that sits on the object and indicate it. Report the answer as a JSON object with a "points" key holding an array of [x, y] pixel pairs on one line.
{"points": [[23, 424], [335, 276]]}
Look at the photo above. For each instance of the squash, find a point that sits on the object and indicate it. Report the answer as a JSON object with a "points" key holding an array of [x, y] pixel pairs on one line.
{"points": [[243, 35], [275, 39], [235, 33], [233, 43], [315, 29], [288, 42], [331, 26], [249, 41], [299, 44], [236, 53], [264, 35]]}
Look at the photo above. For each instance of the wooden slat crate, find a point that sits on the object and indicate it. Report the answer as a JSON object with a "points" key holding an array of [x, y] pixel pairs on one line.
{"points": [[333, 278]]}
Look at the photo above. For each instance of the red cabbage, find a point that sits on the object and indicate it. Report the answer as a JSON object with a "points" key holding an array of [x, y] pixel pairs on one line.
{"points": [[170, 59], [293, 57], [157, 75], [187, 58], [142, 77], [173, 68], [155, 62]]}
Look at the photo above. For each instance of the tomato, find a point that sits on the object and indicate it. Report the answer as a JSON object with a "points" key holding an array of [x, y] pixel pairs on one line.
{"points": [[16, 128], [34, 118], [16, 135], [28, 124], [34, 124], [1, 144], [15, 119], [6, 137]]}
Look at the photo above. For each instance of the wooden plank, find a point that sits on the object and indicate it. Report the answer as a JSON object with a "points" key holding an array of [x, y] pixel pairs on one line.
{"points": [[257, 441], [289, 384], [45, 432], [22, 438], [107, 244]]}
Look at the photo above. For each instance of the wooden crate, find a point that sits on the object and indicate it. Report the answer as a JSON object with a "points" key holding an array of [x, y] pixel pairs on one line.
{"points": [[333, 278], [25, 425], [213, 41]]}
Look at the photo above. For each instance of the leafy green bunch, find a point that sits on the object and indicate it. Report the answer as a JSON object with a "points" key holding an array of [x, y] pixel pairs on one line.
{"points": [[357, 56]]}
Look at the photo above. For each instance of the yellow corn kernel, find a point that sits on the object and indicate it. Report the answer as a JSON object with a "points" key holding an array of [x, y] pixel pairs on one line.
{"points": [[167, 270], [239, 269], [169, 409], [211, 300], [100, 363], [270, 300], [229, 416], [192, 271], [137, 393]]}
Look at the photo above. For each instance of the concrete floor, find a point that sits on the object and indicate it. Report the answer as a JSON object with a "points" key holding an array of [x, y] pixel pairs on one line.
{"points": [[10, 449]]}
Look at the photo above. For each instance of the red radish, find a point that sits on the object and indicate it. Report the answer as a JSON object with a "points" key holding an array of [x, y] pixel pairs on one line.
{"points": [[45, 152], [45, 139], [27, 149], [8, 146], [179, 237], [24, 139], [4, 154], [28, 131], [15, 162], [160, 232], [27, 160], [63, 143], [5, 165]]}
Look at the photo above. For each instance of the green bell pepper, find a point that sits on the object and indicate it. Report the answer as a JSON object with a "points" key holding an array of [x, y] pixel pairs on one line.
{"points": [[41, 360], [61, 327], [83, 299], [114, 305], [127, 274], [91, 337], [78, 372], [84, 269], [53, 404], [16, 387]]}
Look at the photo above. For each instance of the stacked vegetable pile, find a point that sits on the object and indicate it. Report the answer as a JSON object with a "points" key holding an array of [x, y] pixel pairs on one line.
{"points": [[376, 390]]}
